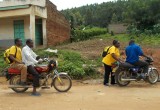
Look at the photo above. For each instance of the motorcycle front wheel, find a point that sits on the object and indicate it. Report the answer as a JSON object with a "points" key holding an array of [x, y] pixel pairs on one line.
{"points": [[15, 80], [153, 76], [62, 83]]}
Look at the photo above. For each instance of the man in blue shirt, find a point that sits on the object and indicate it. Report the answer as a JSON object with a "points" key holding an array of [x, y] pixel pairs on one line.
{"points": [[133, 52]]}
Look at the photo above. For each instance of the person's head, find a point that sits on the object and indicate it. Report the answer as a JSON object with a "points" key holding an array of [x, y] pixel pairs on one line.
{"points": [[131, 42], [116, 43], [29, 42], [18, 42]]}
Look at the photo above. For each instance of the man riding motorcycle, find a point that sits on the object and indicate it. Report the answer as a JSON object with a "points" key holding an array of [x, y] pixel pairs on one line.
{"points": [[30, 59], [133, 52], [15, 56]]}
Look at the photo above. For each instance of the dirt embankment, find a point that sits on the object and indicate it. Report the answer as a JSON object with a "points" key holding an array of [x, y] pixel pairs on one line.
{"points": [[93, 48]]}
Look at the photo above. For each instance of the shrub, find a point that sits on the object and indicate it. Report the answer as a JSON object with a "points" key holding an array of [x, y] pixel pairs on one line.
{"points": [[156, 28], [72, 63], [112, 33], [43, 53], [80, 35]]}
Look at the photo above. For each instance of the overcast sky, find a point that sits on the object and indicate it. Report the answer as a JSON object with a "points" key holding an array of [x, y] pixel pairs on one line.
{"points": [[64, 4]]}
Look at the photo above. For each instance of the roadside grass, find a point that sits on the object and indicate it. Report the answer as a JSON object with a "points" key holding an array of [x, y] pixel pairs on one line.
{"points": [[146, 40]]}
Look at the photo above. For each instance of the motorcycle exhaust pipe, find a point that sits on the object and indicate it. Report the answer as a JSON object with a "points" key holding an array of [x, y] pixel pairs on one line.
{"points": [[19, 86], [128, 79]]}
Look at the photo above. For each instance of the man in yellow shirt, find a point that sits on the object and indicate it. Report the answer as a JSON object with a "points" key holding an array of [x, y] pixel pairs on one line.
{"points": [[15, 55], [112, 56]]}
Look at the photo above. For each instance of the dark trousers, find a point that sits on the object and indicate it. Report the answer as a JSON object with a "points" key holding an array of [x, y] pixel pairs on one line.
{"points": [[32, 70], [108, 71], [143, 65]]}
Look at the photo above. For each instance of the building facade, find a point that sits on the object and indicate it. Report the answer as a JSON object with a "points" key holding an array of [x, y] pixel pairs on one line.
{"points": [[38, 20]]}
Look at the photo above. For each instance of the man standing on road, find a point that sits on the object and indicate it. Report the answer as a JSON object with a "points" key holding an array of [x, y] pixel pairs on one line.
{"points": [[133, 52], [111, 57]]}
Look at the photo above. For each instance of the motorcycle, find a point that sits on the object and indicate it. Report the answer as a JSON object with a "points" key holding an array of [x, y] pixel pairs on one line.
{"points": [[60, 81], [126, 73]]}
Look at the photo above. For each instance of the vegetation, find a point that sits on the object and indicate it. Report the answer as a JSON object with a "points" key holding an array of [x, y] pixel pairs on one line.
{"points": [[141, 15], [76, 66], [87, 33], [69, 61], [91, 21]]}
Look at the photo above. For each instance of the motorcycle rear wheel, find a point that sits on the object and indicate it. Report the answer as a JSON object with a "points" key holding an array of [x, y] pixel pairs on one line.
{"points": [[15, 80], [119, 75], [153, 76], [62, 83]]}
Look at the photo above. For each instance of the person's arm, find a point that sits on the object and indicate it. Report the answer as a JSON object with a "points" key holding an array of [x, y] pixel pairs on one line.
{"points": [[141, 52], [112, 52], [29, 56], [115, 57], [34, 54], [14, 59]]}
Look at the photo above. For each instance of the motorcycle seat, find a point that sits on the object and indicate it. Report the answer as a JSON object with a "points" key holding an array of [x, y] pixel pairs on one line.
{"points": [[126, 65], [13, 71]]}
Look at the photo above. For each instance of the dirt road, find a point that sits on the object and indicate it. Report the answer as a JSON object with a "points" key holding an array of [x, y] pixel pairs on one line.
{"points": [[137, 96]]}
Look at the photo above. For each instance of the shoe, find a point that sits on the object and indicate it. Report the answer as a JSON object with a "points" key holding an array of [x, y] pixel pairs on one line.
{"points": [[113, 83], [36, 94], [107, 84], [45, 87]]}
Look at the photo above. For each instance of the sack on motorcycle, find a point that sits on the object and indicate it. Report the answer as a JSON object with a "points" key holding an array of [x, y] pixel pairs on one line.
{"points": [[106, 51]]}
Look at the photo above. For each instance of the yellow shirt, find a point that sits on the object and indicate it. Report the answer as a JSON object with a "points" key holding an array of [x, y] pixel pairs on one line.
{"points": [[18, 54], [108, 59]]}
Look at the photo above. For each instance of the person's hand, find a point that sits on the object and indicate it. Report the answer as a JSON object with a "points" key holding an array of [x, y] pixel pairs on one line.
{"points": [[120, 61], [40, 61], [20, 62], [122, 53]]}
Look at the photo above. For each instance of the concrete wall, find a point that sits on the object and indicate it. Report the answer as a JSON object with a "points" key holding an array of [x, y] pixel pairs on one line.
{"points": [[58, 28], [117, 28], [7, 30], [7, 3]]}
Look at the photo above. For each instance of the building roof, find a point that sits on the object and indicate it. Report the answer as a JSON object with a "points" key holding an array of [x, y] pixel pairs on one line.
{"points": [[14, 7]]}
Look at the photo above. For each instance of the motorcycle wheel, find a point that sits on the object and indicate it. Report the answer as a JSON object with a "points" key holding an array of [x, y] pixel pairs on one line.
{"points": [[62, 83], [153, 76], [15, 80], [119, 75]]}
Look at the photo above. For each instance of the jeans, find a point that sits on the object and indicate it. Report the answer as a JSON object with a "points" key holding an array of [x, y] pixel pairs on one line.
{"points": [[35, 74], [142, 64], [108, 71]]}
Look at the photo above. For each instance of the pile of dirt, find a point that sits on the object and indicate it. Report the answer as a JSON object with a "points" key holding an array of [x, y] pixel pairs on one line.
{"points": [[89, 49]]}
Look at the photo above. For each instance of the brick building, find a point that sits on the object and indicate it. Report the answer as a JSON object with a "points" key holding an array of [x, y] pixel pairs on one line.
{"points": [[35, 19]]}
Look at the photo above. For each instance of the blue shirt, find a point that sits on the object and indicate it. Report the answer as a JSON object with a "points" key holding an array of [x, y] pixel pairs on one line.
{"points": [[133, 52]]}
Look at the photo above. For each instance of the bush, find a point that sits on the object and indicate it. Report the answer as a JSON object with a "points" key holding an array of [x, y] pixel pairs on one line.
{"points": [[77, 67], [2, 63], [80, 35], [42, 53], [112, 33], [72, 63], [156, 29]]}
